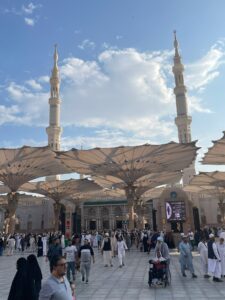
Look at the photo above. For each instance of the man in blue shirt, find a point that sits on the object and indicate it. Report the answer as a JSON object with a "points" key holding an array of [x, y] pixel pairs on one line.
{"points": [[57, 286]]}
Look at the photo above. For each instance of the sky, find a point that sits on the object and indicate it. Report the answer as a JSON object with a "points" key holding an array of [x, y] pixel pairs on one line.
{"points": [[115, 61]]}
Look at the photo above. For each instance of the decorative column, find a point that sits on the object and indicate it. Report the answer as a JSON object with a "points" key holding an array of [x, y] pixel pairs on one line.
{"points": [[130, 194], [57, 208], [82, 216], [68, 219], [13, 199]]}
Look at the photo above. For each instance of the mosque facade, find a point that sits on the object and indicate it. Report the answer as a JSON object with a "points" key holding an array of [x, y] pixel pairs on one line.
{"points": [[109, 214]]}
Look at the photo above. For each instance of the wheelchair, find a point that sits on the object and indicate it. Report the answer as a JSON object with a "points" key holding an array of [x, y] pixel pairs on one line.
{"points": [[159, 274]]}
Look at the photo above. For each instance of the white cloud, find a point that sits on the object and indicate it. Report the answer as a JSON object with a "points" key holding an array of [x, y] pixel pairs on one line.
{"points": [[87, 44], [123, 91], [44, 79], [32, 105], [34, 84], [29, 21], [29, 9], [199, 74]]}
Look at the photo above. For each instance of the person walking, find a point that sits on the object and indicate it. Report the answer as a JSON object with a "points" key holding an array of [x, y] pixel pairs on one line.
{"points": [[55, 249], [203, 251], [18, 290], [57, 287], [121, 247], [221, 251], [107, 251], [34, 277], [85, 253], [40, 246], [70, 253], [186, 257], [214, 261]]}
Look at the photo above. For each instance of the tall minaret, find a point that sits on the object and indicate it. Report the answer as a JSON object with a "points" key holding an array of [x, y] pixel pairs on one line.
{"points": [[54, 130], [183, 121]]}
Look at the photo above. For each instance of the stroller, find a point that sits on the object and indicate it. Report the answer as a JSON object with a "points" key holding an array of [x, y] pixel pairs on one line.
{"points": [[159, 274]]}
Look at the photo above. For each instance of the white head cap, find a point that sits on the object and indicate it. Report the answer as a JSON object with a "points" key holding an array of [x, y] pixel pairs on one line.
{"points": [[211, 235]]}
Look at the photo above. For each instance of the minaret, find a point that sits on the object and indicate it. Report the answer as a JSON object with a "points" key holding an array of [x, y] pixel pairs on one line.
{"points": [[183, 121], [54, 130]]}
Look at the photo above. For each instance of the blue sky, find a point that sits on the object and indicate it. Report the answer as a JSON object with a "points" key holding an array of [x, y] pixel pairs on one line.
{"points": [[115, 60]]}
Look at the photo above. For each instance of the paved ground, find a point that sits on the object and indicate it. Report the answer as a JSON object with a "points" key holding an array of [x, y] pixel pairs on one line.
{"points": [[129, 282]]}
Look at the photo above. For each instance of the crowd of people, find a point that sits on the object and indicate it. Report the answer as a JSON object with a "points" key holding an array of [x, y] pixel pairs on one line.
{"points": [[67, 256]]}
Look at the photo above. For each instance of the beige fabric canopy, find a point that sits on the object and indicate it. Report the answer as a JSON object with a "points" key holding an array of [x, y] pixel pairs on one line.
{"points": [[141, 185], [130, 163], [21, 165], [59, 190], [216, 154], [215, 178]]}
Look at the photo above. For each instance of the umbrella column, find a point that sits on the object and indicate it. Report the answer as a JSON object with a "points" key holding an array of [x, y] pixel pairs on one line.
{"points": [[12, 206], [57, 208], [130, 194], [221, 205]]}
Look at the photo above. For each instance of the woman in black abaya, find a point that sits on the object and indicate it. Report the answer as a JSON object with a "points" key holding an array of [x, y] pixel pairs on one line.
{"points": [[34, 277], [18, 290]]}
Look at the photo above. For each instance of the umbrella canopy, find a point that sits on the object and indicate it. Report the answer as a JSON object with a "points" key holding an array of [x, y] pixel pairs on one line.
{"points": [[130, 163], [210, 179], [216, 154], [60, 189], [21, 165], [143, 184]]}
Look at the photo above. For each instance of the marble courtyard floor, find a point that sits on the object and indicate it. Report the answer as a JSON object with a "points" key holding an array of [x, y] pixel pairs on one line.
{"points": [[130, 282]]}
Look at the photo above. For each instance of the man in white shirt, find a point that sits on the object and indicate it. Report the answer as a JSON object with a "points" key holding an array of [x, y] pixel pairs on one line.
{"points": [[70, 255], [214, 260]]}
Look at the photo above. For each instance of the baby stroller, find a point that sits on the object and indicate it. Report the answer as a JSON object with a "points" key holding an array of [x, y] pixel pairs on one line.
{"points": [[159, 273]]}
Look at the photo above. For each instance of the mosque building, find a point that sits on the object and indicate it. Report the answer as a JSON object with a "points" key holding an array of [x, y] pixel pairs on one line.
{"points": [[174, 210]]}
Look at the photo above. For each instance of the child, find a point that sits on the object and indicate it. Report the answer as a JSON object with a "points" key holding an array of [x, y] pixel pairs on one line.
{"points": [[73, 287]]}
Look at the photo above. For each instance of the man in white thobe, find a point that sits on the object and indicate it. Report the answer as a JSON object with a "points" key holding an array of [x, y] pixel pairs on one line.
{"points": [[214, 261], [221, 250], [203, 250], [121, 246]]}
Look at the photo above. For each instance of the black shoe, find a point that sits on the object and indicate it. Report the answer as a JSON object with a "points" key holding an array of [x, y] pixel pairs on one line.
{"points": [[184, 275], [194, 276], [82, 278], [86, 281], [217, 279], [207, 276]]}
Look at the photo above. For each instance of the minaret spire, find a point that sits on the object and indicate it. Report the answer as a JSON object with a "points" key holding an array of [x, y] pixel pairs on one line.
{"points": [[54, 130], [182, 120]]}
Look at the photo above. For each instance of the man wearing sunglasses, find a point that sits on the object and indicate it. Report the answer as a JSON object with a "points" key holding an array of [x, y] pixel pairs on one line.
{"points": [[57, 286]]}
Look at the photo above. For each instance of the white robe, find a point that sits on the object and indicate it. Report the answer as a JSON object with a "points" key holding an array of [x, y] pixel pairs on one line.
{"points": [[203, 250], [214, 265], [121, 246], [44, 240], [221, 250]]}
